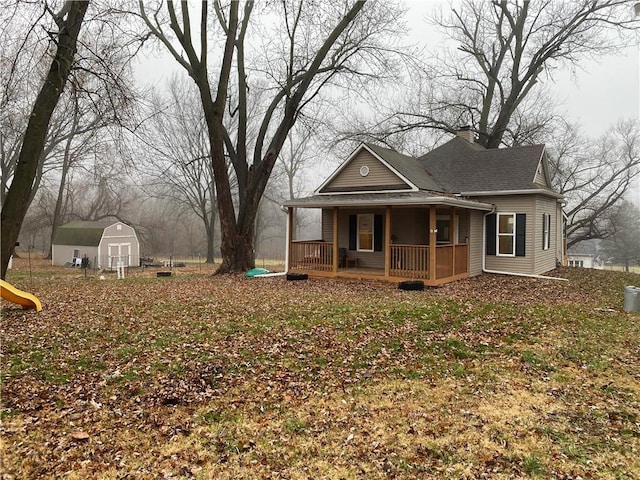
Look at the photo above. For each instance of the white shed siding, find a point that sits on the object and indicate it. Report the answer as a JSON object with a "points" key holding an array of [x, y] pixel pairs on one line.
{"points": [[119, 234], [61, 254]]}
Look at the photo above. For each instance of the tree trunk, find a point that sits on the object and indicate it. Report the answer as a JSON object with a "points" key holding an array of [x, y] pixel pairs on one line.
{"points": [[17, 199], [210, 231]]}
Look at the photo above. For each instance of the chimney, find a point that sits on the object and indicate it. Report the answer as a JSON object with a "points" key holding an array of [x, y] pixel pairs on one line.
{"points": [[466, 133]]}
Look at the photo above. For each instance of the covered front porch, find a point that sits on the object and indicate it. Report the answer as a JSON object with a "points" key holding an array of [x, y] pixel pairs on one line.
{"points": [[392, 242]]}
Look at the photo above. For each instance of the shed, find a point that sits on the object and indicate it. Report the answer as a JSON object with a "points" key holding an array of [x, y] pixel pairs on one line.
{"points": [[104, 243]]}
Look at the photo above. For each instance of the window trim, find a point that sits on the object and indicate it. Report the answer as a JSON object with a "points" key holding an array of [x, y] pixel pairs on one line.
{"points": [[546, 231], [373, 235], [512, 234]]}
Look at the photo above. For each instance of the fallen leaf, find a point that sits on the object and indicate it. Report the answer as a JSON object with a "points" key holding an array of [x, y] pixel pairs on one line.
{"points": [[80, 436]]}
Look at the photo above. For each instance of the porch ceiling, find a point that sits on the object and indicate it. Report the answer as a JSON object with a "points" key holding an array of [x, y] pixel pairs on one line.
{"points": [[382, 199]]}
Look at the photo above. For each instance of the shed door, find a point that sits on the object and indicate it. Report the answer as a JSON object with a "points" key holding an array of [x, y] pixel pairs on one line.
{"points": [[119, 252]]}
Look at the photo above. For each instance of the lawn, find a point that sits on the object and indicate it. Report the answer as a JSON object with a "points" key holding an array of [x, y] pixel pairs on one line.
{"points": [[194, 376]]}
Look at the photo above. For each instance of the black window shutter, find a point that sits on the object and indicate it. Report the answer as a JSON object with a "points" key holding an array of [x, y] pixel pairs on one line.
{"points": [[521, 221], [377, 233], [353, 232], [544, 229], [491, 234]]}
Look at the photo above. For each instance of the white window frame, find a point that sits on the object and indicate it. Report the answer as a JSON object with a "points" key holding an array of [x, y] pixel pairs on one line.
{"points": [[546, 231], [371, 216], [499, 235]]}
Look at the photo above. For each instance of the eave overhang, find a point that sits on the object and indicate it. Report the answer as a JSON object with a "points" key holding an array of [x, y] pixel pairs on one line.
{"points": [[382, 199], [532, 191]]}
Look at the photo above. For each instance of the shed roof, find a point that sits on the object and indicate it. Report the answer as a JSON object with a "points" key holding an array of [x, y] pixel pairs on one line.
{"points": [[82, 233]]}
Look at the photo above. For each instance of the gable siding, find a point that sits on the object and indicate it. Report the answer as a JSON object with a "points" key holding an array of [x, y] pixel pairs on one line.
{"points": [[540, 178], [515, 204], [349, 179]]}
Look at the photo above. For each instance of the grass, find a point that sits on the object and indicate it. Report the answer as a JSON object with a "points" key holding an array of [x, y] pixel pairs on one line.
{"points": [[226, 377]]}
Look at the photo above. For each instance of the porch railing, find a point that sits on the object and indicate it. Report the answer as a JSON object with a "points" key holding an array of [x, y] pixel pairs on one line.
{"points": [[311, 255], [409, 261], [406, 261], [462, 259], [445, 265]]}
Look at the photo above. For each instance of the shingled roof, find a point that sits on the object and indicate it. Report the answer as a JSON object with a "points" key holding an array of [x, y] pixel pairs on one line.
{"points": [[464, 167], [408, 167], [86, 234]]}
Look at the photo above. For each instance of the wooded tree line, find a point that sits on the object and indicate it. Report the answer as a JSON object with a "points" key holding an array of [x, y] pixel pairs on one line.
{"points": [[265, 91]]}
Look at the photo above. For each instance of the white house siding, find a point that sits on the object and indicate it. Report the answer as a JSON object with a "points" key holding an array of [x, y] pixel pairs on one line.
{"points": [[327, 224], [583, 260], [119, 234], [410, 225], [545, 260], [351, 179], [515, 204], [476, 246], [365, 259], [559, 234]]}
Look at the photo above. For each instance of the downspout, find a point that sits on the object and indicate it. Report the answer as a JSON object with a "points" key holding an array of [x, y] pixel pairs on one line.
{"points": [[499, 272]]}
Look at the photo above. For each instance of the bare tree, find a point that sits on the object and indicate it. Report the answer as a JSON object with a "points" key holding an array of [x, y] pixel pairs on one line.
{"points": [[68, 21], [594, 176], [623, 246], [505, 50], [304, 56], [176, 164]]}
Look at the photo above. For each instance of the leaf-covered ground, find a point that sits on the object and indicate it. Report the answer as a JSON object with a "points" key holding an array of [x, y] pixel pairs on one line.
{"points": [[195, 376]]}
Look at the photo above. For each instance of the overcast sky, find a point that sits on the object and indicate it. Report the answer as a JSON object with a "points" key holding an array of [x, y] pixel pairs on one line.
{"points": [[601, 93]]}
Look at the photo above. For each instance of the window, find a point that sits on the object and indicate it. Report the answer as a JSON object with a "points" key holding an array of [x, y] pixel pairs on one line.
{"points": [[546, 231], [76, 253], [365, 232], [442, 227], [506, 234]]}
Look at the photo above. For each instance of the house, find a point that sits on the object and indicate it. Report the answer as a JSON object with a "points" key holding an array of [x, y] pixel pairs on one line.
{"points": [[582, 260], [585, 255], [104, 243], [452, 213]]}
